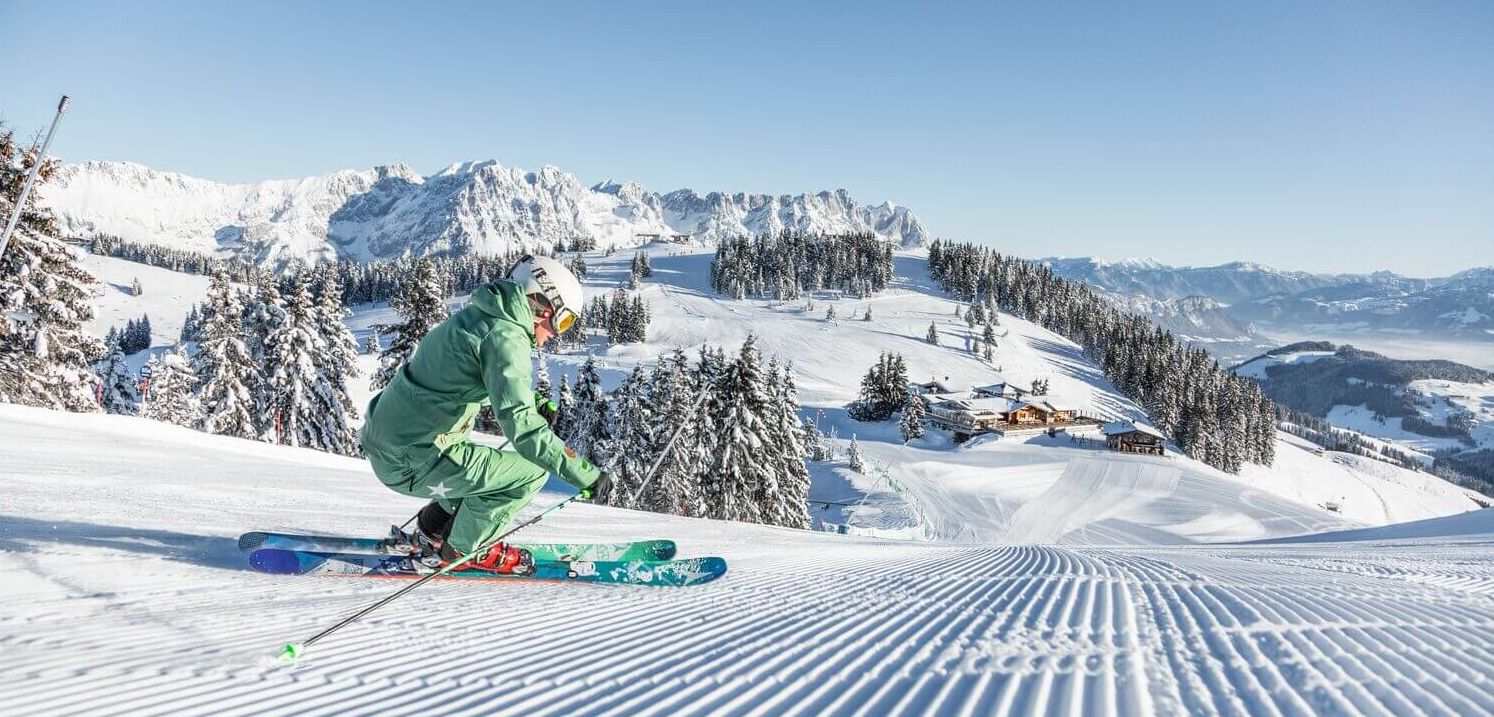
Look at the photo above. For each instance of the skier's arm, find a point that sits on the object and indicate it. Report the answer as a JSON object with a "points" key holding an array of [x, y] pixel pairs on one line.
{"points": [[504, 357]]}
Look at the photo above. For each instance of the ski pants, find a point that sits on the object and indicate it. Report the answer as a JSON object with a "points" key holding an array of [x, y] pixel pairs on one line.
{"points": [[482, 487]]}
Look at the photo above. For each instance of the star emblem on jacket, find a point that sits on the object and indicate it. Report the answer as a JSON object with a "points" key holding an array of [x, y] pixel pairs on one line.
{"points": [[438, 490]]}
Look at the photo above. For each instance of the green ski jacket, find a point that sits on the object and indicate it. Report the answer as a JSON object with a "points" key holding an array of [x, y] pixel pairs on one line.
{"points": [[479, 355]]}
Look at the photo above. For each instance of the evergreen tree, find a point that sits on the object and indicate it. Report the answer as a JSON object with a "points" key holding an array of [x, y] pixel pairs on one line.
{"points": [[304, 397], [225, 368], [630, 421], [911, 424], [784, 501], [732, 484], [542, 375], [830, 313], [933, 334], [171, 381], [340, 355], [420, 303], [565, 408], [675, 487], [135, 288], [264, 313], [883, 389], [121, 390], [588, 434], [46, 354], [853, 455], [371, 344]]}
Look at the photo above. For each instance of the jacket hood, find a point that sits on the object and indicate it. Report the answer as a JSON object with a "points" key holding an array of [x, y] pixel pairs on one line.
{"points": [[505, 300]]}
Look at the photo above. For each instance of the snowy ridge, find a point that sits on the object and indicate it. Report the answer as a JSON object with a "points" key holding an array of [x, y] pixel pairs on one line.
{"points": [[392, 211]]}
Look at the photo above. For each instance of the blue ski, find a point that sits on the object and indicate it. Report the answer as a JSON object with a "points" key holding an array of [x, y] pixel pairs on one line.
{"points": [[687, 571]]}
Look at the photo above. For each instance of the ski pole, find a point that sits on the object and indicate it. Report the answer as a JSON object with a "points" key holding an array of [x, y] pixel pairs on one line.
{"points": [[41, 158], [293, 650], [633, 499]]}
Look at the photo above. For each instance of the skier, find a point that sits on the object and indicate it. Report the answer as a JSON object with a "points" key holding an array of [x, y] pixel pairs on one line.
{"points": [[418, 430]]}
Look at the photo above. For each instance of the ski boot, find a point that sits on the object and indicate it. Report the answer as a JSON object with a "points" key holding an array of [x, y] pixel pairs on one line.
{"points": [[498, 558], [422, 545]]}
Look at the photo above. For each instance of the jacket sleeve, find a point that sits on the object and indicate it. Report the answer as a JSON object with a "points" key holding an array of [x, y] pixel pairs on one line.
{"points": [[504, 357]]}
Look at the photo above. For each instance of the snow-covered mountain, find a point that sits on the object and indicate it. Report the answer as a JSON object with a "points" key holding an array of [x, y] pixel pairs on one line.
{"points": [[1459, 307], [392, 211], [1427, 407]]}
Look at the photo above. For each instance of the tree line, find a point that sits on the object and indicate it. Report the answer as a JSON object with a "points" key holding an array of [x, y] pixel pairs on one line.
{"points": [[268, 367], [785, 266], [740, 452], [1214, 415]]}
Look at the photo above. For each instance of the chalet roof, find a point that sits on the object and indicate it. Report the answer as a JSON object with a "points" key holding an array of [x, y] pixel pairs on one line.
{"points": [[1037, 403], [1119, 427], [933, 398], [997, 388], [1059, 404], [942, 386], [990, 406]]}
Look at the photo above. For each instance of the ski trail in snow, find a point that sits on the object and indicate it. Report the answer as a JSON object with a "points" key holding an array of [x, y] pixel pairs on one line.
{"points": [[847, 627], [1089, 491]]}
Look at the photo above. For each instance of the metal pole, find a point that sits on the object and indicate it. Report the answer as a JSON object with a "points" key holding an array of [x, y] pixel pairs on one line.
{"points": [[15, 216], [633, 499]]}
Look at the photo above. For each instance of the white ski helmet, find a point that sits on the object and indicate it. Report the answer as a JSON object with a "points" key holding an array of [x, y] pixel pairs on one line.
{"points": [[549, 279]]}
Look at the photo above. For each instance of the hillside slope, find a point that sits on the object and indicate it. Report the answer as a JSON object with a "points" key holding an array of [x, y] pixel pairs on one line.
{"points": [[126, 595]]}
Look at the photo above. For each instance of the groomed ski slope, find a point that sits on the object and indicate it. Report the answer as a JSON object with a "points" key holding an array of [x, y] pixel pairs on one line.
{"points": [[124, 594], [1062, 579]]}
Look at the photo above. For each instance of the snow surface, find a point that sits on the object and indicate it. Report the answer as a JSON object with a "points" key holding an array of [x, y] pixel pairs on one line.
{"points": [[125, 594], [1050, 575]]}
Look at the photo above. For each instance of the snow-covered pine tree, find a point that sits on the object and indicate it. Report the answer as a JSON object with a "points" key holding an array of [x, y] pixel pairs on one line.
{"points": [[588, 434], [171, 383], [264, 312], [830, 313], [673, 392], [371, 345], [565, 408], [577, 266], [853, 456], [910, 426], [784, 500], [303, 397], [740, 455], [225, 368], [135, 288], [421, 304], [933, 335], [542, 375], [120, 389], [340, 361], [631, 423], [46, 354]]}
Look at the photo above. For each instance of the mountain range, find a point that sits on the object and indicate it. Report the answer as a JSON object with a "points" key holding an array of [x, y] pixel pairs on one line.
{"points": [[393, 211], [1250, 297]]}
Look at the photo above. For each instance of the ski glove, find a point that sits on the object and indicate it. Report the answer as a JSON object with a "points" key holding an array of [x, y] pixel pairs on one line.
{"points": [[598, 490], [547, 408]]}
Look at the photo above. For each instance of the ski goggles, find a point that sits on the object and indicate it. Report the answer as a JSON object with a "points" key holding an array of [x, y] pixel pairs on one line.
{"points": [[563, 320]]}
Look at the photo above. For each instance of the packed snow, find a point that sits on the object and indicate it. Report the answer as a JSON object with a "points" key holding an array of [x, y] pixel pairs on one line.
{"points": [[126, 595], [1033, 574]]}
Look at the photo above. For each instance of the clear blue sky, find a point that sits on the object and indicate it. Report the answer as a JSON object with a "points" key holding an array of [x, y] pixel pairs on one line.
{"points": [[1329, 136]]}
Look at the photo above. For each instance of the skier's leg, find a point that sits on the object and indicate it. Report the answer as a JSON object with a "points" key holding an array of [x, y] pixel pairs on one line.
{"points": [[487, 487]]}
